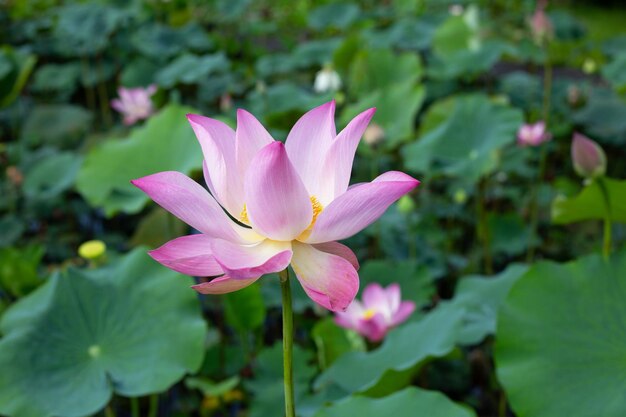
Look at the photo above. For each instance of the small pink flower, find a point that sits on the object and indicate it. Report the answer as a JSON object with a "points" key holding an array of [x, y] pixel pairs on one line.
{"points": [[291, 202], [380, 311], [588, 157], [134, 103], [540, 24], [533, 134]]}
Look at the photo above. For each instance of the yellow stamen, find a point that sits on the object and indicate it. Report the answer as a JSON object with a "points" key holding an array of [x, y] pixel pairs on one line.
{"points": [[243, 217], [369, 314], [317, 209]]}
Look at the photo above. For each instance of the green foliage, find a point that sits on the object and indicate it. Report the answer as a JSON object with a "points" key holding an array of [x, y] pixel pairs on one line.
{"points": [[19, 269], [62, 125], [562, 331], [268, 386], [189, 69], [52, 176], [415, 280], [166, 142], [83, 330], [590, 203], [15, 67], [462, 136], [391, 366], [244, 309], [332, 341], [410, 402], [481, 297]]}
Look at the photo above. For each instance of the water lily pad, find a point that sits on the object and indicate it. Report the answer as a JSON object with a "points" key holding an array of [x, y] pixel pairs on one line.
{"points": [[561, 339], [132, 328], [463, 137], [589, 203], [166, 142], [410, 402]]}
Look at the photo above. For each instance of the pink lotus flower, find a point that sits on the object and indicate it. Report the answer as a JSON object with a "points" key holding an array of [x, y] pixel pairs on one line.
{"points": [[291, 202], [134, 103], [381, 310], [533, 134], [588, 157]]}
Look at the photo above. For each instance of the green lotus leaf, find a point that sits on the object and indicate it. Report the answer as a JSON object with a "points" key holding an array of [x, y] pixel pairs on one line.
{"points": [[191, 69], [397, 108], [380, 69], [481, 297], [410, 402], [52, 176], [165, 142], [391, 366], [561, 339], [337, 15], [132, 327], [463, 137], [589, 204], [62, 125]]}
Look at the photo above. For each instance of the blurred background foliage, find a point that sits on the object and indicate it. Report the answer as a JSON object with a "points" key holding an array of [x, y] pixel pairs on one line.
{"points": [[498, 331]]}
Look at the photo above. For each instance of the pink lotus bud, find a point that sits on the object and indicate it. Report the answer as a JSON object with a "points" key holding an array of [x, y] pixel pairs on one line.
{"points": [[533, 134], [540, 24], [588, 157], [373, 134]]}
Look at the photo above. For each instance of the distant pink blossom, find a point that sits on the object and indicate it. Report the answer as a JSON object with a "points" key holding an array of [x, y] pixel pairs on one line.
{"points": [[291, 202], [134, 103], [381, 310], [588, 157], [533, 134], [540, 24]]}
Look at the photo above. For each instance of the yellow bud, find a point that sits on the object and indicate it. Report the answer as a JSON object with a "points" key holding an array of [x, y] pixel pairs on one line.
{"points": [[210, 402], [232, 395], [92, 249], [460, 196]]}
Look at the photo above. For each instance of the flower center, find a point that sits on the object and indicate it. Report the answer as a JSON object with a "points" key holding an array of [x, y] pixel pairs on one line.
{"points": [[317, 209], [315, 205], [243, 216], [369, 314]]}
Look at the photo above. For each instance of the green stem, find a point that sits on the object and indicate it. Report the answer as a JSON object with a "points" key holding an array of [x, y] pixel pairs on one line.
{"points": [[134, 406], [534, 206], [290, 409], [91, 99], [108, 411], [104, 97], [154, 405], [606, 247], [483, 227]]}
